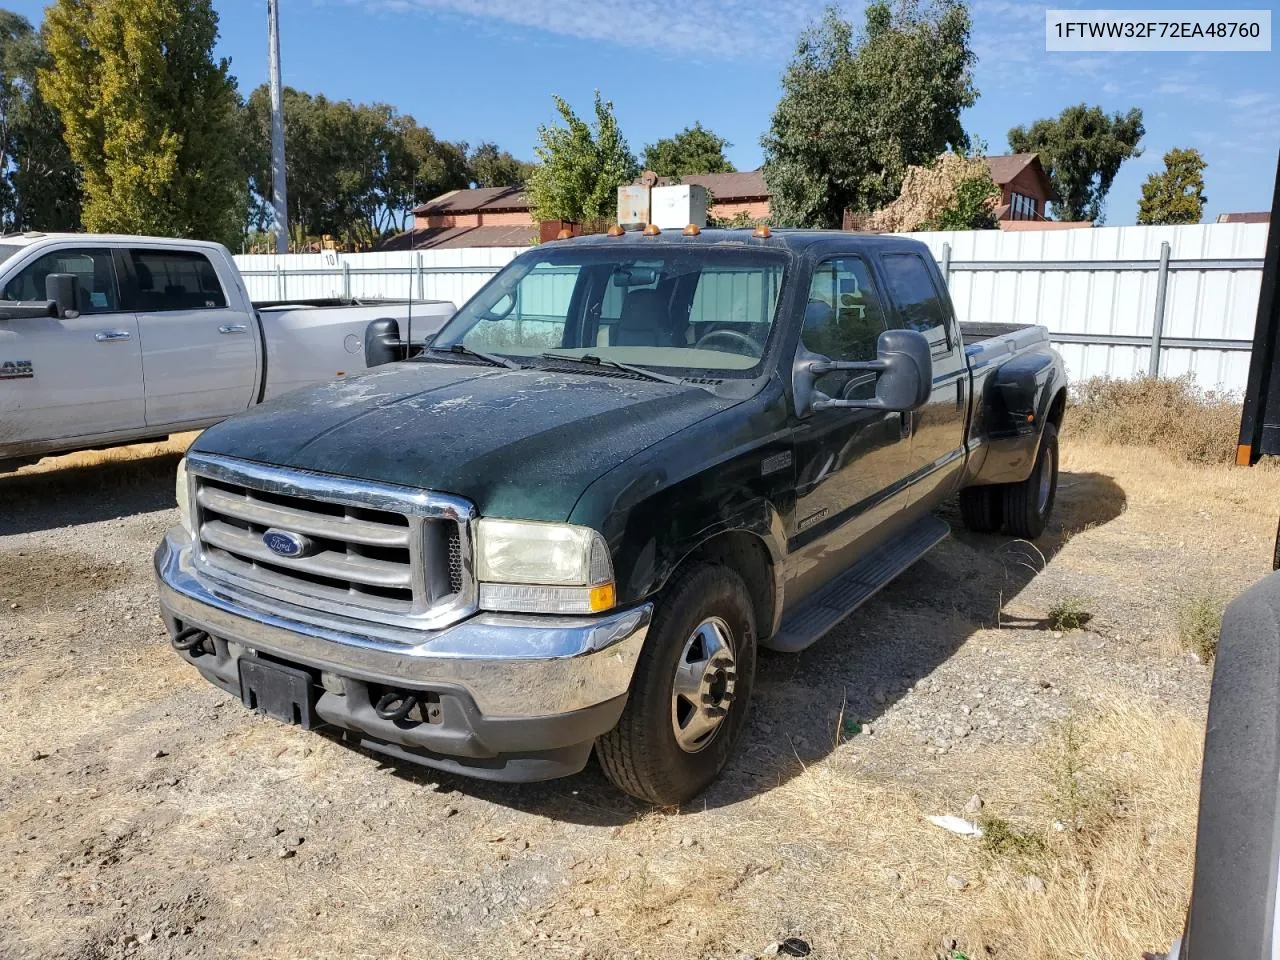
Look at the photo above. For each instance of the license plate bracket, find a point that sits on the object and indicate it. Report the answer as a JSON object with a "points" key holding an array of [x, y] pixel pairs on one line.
{"points": [[286, 693]]}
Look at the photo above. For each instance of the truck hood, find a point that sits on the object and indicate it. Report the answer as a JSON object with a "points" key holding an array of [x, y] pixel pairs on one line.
{"points": [[517, 443]]}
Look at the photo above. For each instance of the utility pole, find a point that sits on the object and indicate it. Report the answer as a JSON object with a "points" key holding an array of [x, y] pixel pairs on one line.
{"points": [[279, 190]]}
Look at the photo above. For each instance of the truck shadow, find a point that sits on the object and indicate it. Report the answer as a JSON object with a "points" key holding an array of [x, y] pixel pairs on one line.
{"points": [[858, 671], [86, 492]]}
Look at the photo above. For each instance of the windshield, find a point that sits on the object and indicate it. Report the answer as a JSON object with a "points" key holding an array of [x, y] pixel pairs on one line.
{"points": [[689, 309]]}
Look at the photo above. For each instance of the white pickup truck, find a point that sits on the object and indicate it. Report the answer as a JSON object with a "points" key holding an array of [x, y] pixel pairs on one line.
{"points": [[116, 339]]}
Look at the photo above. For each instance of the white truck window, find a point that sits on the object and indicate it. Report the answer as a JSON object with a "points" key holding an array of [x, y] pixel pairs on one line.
{"points": [[175, 280], [93, 269]]}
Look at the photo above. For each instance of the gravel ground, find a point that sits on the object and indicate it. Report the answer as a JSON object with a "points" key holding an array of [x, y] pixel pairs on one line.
{"points": [[145, 814]]}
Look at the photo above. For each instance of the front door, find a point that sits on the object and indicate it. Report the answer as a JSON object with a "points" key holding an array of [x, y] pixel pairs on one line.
{"points": [[198, 353], [937, 443], [74, 377], [851, 465]]}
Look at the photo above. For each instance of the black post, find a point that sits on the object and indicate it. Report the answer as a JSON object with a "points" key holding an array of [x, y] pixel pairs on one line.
{"points": [[1260, 421]]}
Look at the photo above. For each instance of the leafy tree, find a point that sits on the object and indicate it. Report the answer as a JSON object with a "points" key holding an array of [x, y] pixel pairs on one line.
{"points": [[491, 167], [1082, 150], [954, 192], [148, 115], [854, 116], [693, 150], [581, 167], [39, 185], [1176, 195], [353, 169]]}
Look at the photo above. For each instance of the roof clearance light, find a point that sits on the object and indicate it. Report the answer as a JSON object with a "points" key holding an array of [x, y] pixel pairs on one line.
{"points": [[692, 230], [761, 232], [564, 234], [615, 231], [651, 230]]}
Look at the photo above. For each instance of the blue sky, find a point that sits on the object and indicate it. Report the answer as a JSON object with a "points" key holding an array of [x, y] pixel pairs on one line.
{"points": [[485, 70]]}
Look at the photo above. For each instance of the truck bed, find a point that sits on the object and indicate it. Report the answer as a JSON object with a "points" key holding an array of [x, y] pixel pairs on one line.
{"points": [[988, 342]]}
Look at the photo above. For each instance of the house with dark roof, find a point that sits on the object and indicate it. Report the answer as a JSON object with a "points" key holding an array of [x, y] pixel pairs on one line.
{"points": [[500, 216], [1024, 186]]}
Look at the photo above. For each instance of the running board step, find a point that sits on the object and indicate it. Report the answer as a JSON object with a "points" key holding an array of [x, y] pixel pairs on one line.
{"points": [[858, 584]]}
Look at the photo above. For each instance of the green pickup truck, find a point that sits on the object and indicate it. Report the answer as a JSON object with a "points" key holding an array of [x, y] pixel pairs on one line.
{"points": [[628, 463]]}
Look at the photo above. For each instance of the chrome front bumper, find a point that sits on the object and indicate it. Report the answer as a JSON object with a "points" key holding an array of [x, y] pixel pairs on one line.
{"points": [[511, 666]]}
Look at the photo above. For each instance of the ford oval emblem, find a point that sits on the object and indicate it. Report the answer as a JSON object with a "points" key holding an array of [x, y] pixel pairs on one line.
{"points": [[284, 543]]}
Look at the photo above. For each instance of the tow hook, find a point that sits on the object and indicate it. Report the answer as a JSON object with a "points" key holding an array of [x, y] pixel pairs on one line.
{"points": [[395, 706], [191, 640]]}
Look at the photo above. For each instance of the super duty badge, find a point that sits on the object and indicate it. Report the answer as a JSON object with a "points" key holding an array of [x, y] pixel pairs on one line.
{"points": [[16, 370]]}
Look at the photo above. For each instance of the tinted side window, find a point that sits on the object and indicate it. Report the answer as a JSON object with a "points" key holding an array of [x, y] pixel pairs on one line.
{"points": [[175, 280], [842, 321], [919, 306], [92, 269]]}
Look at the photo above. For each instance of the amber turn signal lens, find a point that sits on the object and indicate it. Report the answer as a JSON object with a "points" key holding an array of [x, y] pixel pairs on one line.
{"points": [[602, 597], [615, 231], [692, 230]]}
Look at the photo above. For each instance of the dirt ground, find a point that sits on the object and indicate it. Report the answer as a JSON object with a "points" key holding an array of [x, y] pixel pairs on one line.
{"points": [[143, 813]]}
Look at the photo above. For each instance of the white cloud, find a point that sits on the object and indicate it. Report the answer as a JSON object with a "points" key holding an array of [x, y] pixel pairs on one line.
{"points": [[714, 29]]}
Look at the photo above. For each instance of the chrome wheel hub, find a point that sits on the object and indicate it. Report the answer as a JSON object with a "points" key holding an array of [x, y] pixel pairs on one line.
{"points": [[1046, 481], [706, 676]]}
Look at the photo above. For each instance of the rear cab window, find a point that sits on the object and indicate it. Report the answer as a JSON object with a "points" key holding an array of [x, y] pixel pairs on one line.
{"points": [[169, 280], [918, 301]]}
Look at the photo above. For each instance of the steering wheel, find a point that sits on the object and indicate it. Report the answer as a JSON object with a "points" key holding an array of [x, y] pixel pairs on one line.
{"points": [[741, 339]]}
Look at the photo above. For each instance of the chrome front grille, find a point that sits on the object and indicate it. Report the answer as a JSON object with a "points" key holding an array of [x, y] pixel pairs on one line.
{"points": [[372, 551]]}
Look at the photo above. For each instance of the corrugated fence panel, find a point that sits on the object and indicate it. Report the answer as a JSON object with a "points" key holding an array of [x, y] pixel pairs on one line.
{"points": [[1013, 277]]}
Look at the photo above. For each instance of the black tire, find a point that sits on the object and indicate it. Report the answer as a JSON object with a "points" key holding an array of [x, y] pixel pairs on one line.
{"points": [[642, 755], [981, 508], [1027, 505]]}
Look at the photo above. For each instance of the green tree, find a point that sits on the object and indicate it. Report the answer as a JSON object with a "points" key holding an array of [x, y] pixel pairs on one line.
{"points": [[353, 169], [491, 167], [1082, 150], [581, 166], [149, 116], [1175, 195], [854, 116], [693, 150], [39, 185]]}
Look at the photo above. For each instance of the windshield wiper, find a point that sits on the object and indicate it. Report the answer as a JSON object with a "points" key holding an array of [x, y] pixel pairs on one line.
{"points": [[464, 350], [595, 361]]}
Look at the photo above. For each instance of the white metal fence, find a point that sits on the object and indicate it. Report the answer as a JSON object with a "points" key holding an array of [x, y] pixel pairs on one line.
{"points": [[1106, 295]]}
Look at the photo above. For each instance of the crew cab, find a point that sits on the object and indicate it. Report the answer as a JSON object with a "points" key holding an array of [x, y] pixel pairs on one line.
{"points": [[625, 465], [115, 339]]}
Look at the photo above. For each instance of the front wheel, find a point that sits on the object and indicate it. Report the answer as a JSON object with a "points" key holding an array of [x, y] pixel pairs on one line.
{"points": [[1027, 505], [690, 692]]}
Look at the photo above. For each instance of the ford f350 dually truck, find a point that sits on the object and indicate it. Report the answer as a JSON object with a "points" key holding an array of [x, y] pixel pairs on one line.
{"points": [[621, 468], [109, 339]]}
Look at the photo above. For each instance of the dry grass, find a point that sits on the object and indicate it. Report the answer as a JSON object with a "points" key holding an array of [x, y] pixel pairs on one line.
{"points": [[177, 443], [1199, 622], [1172, 414], [1103, 815]]}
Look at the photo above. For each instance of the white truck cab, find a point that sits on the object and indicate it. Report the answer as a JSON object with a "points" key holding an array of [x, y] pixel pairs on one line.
{"points": [[161, 337]]}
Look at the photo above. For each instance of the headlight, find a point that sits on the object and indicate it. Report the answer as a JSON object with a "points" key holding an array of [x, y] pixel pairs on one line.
{"points": [[542, 568], [182, 491]]}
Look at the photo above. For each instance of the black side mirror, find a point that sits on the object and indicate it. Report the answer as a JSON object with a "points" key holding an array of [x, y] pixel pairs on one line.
{"points": [[903, 369], [63, 291], [382, 342]]}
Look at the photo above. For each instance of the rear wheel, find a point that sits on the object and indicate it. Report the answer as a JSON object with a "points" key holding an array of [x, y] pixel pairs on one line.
{"points": [[690, 692], [980, 508], [1027, 505]]}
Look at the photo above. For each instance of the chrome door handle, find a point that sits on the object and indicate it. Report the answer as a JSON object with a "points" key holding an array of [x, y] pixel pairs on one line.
{"points": [[232, 328], [107, 336]]}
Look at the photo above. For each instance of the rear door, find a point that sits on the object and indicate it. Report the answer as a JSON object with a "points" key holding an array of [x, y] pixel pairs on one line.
{"points": [[199, 356], [851, 465], [74, 377], [938, 428]]}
